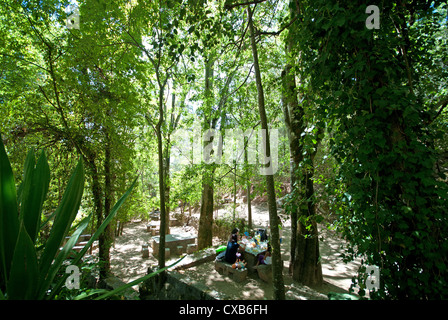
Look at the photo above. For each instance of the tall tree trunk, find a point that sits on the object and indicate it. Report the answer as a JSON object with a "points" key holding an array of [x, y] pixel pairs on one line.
{"points": [[167, 185], [105, 238], [97, 193], [305, 265], [167, 158], [234, 192], [277, 264], [249, 206], [248, 187], [162, 234], [162, 201], [205, 233]]}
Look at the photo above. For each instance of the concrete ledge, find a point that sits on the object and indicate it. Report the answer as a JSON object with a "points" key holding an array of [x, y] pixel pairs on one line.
{"points": [[112, 283], [196, 258], [177, 287]]}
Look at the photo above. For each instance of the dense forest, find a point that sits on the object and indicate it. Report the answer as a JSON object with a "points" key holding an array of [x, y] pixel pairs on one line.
{"points": [[333, 111]]}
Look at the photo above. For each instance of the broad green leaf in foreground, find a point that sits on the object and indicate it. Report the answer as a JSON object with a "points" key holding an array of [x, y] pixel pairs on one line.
{"points": [[9, 222]]}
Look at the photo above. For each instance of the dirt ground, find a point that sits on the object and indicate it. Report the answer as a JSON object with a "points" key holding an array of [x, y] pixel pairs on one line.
{"points": [[127, 262]]}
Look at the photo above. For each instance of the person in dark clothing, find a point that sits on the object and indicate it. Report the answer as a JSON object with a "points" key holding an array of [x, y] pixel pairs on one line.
{"points": [[232, 247]]}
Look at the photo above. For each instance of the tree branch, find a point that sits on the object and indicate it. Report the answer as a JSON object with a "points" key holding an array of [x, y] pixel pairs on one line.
{"points": [[22, 59], [231, 6], [46, 97], [279, 31], [443, 104]]}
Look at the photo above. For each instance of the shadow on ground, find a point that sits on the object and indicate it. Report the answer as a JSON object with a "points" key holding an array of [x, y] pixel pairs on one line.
{"points": [[127, 264]]}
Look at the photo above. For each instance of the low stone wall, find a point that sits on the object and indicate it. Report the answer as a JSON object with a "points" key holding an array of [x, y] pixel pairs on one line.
{"points": [[196, 258], [179, 287]]}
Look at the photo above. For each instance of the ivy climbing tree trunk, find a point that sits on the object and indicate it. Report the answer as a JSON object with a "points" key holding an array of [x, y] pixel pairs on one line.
{"points": [[277, 264], [305, 265], [372, 87]]}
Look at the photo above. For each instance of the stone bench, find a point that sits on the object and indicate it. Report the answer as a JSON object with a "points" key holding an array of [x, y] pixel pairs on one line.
{"points": [[238, 275], [145, 251], [152, 229], [82, 242], [265, 272]]}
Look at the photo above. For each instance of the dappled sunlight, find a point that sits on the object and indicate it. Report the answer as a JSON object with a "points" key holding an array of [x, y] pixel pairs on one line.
{"points": [[334, 270], [250, 289], [127, 263], [173, 123]]}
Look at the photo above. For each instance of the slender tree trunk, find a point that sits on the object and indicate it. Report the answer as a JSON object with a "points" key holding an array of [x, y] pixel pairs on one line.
{"points": [[162, 201], [162, 234], [248, 187], [277, 264], [234, 192], [205, 233], [97, 193], [105, 238], [167, 158], [167, 186], [295, 147], [249, 206]]}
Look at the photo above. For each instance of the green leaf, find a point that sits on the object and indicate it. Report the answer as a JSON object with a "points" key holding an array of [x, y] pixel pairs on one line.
{"points": [[66, 213], [27, 174], [337, 94], [9, 221], [35, 187], [23, 280], [87, 294], [48, 220]]}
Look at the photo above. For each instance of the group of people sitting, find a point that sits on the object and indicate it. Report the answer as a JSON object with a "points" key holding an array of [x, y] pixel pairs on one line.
{"points": [[234, 257]]}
